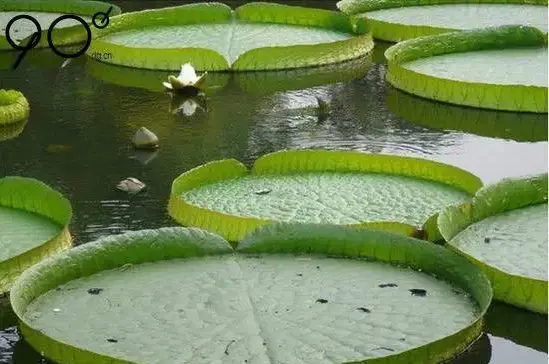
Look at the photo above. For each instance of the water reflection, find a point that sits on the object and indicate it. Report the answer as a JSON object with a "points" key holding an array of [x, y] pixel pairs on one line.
{"points": [[529, 127]]}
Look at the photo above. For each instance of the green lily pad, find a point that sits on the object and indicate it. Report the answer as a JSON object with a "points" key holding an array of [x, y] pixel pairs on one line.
{"points": [[14, 108], [505, 68], [316, 294], [211, 36], [12, 131], [333, 187], [397, 20], [34, 222], [522, 127], [504, 231], [66, 32]]}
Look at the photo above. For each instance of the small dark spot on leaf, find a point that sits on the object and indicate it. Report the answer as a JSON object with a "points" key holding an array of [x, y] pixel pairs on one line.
{"points": [[300, 274], [486, 239], [264, 343], [364, 309], [112, 340], [402, 339], [287, 310], [318, 267], [95, 290], [227, 347], [418, 292], [385, 348], [322, 300], [388, 285], [276, 311]]}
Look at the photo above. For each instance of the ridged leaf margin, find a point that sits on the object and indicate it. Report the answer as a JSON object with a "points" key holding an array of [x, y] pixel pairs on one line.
{"points": [[520, 98], [263, 58], [341, 242], [107, 253], [14, 107], [168, 59], [506, 195], [234, 228], [171, 243], [352, 7], [396, 32], [36, 197], [62, 36]]}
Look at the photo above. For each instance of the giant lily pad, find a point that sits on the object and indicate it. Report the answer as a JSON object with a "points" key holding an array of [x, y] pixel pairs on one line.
{"points": [[504, 231], [315, 186], [506, 68], [34, 222], [398, 20], [66, 32], [523, 127], [14, 107], [211, 36], [308, 293]]}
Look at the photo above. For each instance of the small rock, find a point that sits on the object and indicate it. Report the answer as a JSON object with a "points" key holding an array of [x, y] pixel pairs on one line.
{"points": [[145, 139], [131, 185]]}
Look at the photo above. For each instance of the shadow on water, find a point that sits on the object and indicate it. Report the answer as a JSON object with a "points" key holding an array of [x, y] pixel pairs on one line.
{"points": [[83, 116]]}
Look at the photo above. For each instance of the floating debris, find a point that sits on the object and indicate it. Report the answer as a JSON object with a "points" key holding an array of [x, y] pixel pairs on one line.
{"points": [[95, 291], [58, 148], [263, 191], [418, 292], [321, 300], [125, 267], [131, 185], [228, 345], [145, 139], [383, 285], [363, 309]]}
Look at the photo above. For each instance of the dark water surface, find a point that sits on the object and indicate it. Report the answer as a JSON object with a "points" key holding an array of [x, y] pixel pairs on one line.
{"points": [[91, 110]]}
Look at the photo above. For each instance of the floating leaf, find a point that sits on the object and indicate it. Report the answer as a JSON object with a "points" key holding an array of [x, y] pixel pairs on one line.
{"points": [[513, 213], [316, 186], [185, 279]]}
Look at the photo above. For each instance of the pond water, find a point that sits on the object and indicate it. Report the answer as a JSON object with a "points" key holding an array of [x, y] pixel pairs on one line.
{"points": [[78, 141]]}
